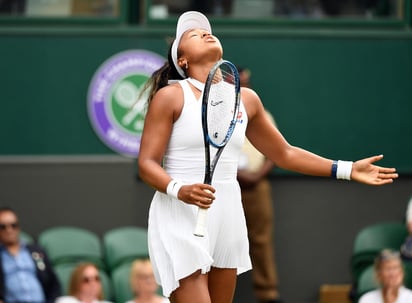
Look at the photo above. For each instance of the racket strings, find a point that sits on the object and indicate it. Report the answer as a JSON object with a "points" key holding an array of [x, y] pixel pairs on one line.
{"points": [[225, 74], [222, 106]]}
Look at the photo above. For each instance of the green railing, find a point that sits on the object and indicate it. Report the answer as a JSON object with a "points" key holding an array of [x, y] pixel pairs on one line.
{"points": [[132, 12]]}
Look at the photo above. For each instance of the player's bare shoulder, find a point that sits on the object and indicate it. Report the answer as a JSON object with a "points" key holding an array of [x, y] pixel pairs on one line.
{"points": [[169, 98]]}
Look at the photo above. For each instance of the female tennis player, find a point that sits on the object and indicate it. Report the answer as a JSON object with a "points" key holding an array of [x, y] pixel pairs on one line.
{"points": [[172, 161]]}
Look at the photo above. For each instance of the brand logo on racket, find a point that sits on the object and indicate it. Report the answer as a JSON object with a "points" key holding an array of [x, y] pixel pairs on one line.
{"points": [[215, 103]]}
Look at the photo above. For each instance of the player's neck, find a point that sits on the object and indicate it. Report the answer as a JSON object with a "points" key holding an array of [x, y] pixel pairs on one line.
{"points": [[199, 71]]}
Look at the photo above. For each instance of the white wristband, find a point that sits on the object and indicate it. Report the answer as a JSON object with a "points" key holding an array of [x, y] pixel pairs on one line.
{"points": [[344, 170], [173, 188]]}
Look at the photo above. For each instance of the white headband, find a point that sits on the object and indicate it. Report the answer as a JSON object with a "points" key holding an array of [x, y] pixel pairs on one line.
{"points": [[188, 20]]}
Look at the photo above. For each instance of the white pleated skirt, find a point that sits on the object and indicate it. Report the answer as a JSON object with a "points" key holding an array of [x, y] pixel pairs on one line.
{"points": [[176, 253]]}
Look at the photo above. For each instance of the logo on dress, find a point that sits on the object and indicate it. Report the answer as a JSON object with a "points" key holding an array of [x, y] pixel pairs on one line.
{"points": [[215, 103]]}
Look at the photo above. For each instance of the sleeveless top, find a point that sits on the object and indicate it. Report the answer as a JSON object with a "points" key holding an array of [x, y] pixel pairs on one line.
{"points": [[185, 155]]}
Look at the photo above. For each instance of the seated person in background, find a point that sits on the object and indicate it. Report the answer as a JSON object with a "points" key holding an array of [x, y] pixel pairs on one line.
{"points": [[390, 274], [26, 274], [12, 7], [84, 285], [406, 248], [143, 283]]}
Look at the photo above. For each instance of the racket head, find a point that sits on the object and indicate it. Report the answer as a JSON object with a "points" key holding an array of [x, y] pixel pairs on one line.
{"points": [[220, 103]]}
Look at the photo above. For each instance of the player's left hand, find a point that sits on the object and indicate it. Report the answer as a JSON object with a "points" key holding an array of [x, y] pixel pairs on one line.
{"points": [[364, 171]]}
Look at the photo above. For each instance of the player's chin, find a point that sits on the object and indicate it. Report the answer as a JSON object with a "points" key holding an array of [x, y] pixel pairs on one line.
{"points": [[216, 48]]}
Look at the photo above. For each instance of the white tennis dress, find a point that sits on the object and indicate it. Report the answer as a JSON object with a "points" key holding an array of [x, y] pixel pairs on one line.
{"points": [[174, 251]]}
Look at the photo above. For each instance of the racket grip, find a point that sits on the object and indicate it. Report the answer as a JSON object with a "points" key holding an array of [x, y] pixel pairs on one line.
{"points": [[200, 228]]}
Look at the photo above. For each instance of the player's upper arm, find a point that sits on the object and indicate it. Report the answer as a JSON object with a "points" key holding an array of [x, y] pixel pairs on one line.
{"points": [[261, 131]]}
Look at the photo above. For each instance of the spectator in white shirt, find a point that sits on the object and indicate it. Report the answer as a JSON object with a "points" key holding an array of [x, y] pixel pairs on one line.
{"points": [[390, 274]]}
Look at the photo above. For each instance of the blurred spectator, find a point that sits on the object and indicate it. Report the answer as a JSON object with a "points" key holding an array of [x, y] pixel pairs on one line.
{"points": [[258, 206], [12, 7], [169, 7], [215, 7], [409, 216], [26, 274], [336, 8], [297, 8], [84, 286], [406, 248], [283, 8], [390, 274], [143, 283]]}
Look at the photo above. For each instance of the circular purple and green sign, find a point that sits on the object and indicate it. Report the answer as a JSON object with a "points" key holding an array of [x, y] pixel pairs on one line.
{"points": [[116, 105]]}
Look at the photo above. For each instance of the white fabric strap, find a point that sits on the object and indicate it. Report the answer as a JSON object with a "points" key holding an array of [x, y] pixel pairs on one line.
{"points": [[196, 83], [344, 170], [173, 188]]}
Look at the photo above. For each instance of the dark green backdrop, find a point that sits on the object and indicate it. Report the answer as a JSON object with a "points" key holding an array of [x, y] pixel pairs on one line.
{"points": [[343, 94]]}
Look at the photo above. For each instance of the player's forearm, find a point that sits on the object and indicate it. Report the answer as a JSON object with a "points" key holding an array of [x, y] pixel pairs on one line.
{"points": [[153, 174], [305, 162]]}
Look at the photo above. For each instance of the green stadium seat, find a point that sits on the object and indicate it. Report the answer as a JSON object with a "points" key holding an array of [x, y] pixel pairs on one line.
{"points": [[371, 240], [124, 244], [407, 265], [367, 281], [26, 238], [67, 244], [121, 283], [63, 272]]}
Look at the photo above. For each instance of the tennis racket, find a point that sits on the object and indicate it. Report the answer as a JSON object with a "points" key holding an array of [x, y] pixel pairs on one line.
{"points": [[220, 106]]}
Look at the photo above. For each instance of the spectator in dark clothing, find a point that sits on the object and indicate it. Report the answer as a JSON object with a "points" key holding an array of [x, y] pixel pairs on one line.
{"points": [[26, 274]]}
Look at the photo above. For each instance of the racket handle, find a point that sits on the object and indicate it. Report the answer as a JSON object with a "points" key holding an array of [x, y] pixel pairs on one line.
{"points": [[200, 228]]}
